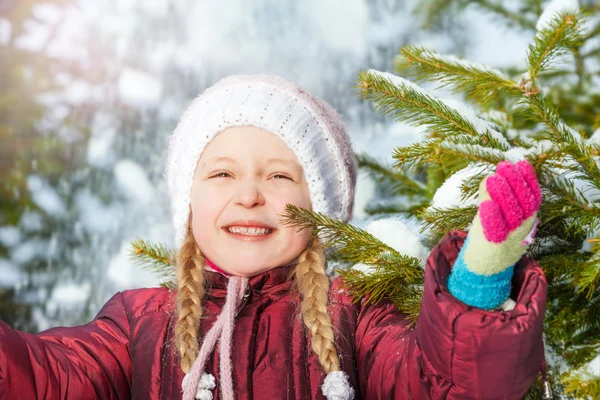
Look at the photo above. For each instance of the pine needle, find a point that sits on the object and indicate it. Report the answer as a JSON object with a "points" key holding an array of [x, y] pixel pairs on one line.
{"points": [[477, 81], [155, 258]]}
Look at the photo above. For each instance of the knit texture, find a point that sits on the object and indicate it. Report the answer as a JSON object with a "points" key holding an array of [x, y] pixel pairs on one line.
{"points": [[307, 125], [486, 292], [501, 232]]}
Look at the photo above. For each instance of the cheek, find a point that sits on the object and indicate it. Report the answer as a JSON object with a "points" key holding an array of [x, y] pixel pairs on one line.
{"points": [[296, 240], [206, 206], [294, 196]]}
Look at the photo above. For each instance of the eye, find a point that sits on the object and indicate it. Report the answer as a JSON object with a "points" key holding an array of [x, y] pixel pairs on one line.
{"points": [[221, 175], [279, 176]]}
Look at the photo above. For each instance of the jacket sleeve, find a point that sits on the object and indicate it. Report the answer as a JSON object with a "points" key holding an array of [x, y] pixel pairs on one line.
{"points": [[86, 362], [455, 351]]}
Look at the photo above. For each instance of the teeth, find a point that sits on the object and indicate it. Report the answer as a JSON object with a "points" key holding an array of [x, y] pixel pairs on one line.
{"points": [[249, 231]]}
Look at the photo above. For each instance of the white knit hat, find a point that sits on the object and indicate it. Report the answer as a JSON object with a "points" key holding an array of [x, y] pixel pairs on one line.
{"points": [[307, 125]]}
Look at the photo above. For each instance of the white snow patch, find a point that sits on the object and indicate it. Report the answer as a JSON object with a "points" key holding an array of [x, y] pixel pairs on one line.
{"points": [[594, 366], [95, 216], [400, 82], [10, 275], [45, 196], [595, 138], [31, 221], [449, 194], [71, 38], [35, 36], [540, 147], [515, 154], [5, 31], [69, 296], [133, 181], [46, 12], [404, 134], [586, 191], [471, 65], [40, 318], [99, 151], [399, 236], [350, 33], [79, 91], [554, 8], [29, 251], [365, 191], [125, 274], [365, 268], [480, 125], [574, 134], [139, 88], [9, 235]]}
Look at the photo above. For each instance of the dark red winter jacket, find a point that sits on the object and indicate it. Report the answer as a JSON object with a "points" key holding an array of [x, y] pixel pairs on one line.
{"points": [[455, 351]]}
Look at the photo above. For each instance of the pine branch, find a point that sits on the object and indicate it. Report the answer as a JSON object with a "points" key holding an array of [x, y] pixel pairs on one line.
{"points": [[409, 299], [514, 17], [453, 153], [353, 244], [156, 258], [392, 208], [446, 220], [557, 266], [403, 183], [477, 81], [432, 11], [589, 276], [562, 35], [465, 148], [384, 284], [542, 110], [405, 101], [581, 387]]}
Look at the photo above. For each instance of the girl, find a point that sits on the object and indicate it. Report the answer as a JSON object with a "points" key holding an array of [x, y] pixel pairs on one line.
{"points": [[255, 317]]}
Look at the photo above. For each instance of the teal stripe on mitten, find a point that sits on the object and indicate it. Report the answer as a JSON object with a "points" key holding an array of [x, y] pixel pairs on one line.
{"points": [[500, 234], [487, 292]]}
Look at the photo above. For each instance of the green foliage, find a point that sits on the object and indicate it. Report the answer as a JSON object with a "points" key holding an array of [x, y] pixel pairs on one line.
{"points": [[156, 258], [562, 35], [475, 80], [544, 113], [353, 244]]}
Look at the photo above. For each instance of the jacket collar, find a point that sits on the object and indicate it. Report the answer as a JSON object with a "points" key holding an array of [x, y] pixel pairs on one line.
{"points": [[274, 277]]}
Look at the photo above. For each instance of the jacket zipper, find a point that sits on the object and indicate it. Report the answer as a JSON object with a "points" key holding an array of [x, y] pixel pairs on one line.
{"points": [[244, 301]]}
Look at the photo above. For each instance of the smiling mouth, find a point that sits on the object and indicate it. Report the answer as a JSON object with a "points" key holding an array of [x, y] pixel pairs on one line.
{"points": [[249, 233], [249, 230]]}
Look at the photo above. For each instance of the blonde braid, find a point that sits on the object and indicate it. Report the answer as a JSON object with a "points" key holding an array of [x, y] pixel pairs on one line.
{"points": [[313, 285], [190, 291]]}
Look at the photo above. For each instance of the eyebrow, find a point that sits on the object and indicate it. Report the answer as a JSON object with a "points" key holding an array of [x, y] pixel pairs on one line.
{"points": [[269, 161]]}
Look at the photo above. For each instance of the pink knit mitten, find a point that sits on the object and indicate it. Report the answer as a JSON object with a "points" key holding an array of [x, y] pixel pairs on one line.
{"points": [[503, 229]]}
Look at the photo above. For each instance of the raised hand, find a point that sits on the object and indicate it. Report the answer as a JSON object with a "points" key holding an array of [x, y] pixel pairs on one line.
{"points": [[501, 232], [507, 218]]}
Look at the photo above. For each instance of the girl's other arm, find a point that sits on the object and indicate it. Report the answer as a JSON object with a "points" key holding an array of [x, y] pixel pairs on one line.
{"points": [[455, 351], [85, 362]]}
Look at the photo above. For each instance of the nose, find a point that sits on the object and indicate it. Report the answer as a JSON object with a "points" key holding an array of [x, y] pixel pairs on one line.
{"points": [[249, 195]]}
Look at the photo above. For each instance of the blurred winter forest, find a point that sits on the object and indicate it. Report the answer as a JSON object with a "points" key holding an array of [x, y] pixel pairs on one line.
{"points": [[91, 90]]}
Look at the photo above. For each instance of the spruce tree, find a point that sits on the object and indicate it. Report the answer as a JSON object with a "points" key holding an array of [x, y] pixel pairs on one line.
{"points": [[547, 114]]}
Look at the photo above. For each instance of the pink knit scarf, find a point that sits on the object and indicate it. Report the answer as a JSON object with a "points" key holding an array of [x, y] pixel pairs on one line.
{"points": [[223, 330]]}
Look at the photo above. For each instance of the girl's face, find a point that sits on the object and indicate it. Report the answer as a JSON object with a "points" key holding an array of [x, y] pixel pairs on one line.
{"points": [[243, 181]]}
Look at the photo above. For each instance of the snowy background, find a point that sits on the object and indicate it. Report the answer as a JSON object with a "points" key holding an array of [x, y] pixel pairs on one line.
{"points": [[121, 74]]}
